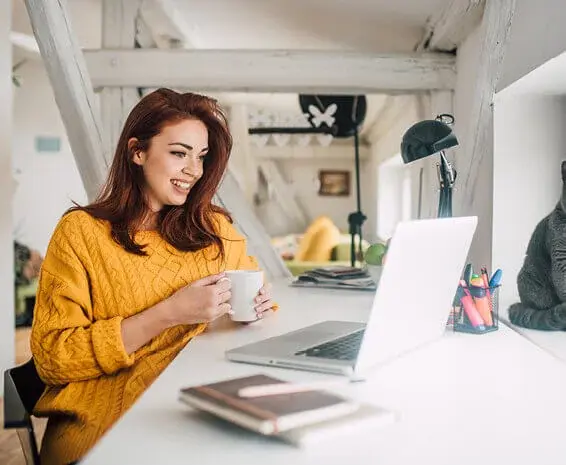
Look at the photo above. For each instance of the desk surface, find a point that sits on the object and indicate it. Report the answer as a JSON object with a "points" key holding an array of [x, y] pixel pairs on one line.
{"points": [[466, 399], [554, 342]]}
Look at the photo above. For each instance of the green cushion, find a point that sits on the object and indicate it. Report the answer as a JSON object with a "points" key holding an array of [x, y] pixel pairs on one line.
{"points": [[342, 251]]}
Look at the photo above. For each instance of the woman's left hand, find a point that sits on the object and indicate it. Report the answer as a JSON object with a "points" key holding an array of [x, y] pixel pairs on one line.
{"points": [[263, 301]]}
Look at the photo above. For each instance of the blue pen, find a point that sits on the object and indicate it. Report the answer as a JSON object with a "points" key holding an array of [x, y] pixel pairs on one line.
{"points": [[496, 278]]}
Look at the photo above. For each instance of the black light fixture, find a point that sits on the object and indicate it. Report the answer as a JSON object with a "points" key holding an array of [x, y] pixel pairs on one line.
{"points": [[427, 138], [349, 112]]}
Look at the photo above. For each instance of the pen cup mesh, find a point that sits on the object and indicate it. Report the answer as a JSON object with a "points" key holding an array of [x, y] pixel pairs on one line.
{"points": [[477, 313]]}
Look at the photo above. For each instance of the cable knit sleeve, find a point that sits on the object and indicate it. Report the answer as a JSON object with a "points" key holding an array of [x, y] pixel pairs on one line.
{"points": [[68, 345]]}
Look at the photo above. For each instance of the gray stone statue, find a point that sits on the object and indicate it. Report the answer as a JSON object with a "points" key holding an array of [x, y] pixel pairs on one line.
{"points": [[542, 279]]}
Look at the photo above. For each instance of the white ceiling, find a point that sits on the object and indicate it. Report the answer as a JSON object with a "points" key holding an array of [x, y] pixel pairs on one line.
{"points": [[547, 79], [365, 25]]}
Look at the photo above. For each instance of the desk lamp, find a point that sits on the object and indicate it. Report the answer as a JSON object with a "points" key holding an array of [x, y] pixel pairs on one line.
{"points": [[426, 138]]}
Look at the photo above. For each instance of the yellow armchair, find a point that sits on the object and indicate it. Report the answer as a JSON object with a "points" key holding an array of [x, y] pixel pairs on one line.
{"points": [[322, 245]]}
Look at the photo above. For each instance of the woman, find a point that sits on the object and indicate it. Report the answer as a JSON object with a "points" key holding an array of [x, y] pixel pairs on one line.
{"points": [[129, 280]]}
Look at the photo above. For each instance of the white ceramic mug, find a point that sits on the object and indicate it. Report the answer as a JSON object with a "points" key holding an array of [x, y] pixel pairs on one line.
{"points": [[245, 287]]}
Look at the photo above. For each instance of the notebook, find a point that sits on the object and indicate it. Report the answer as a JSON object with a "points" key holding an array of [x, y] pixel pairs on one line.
{"points": [[336, 277], [267, 415], [365, 419]]}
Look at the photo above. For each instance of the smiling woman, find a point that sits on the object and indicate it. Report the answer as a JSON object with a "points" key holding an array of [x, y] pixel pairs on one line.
{"points": [[129, 280], [169, 138]]}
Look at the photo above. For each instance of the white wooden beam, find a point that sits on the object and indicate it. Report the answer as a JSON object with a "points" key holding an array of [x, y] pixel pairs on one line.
{"points": [[393, 108], [72, 87], [232, 198], [7, 342], [319, 71], [450, 25], [474, 185], [115, 106], [335, 151], [144, 36], [284, 195], [242, 164], [119, 28], [24, 42], [168, 25]]}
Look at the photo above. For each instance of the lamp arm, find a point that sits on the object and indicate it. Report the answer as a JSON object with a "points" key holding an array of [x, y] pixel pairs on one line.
{"points": [[447, 177]]}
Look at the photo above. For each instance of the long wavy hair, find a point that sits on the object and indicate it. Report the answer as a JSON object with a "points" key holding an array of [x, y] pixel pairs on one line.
{"points": [[188, 227]]}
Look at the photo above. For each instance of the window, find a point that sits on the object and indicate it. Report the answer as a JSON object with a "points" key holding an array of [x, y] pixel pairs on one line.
{"points": [[394, 195]]}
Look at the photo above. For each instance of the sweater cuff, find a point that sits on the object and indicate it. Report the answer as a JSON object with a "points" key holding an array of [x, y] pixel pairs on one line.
{"points": [[108, 345]]}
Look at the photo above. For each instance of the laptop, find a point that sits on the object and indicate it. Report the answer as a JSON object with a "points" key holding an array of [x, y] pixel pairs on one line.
{"points": [[410, 308]]}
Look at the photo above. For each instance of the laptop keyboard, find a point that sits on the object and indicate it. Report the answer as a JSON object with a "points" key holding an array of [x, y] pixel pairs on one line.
{"points": [[343, 348]]}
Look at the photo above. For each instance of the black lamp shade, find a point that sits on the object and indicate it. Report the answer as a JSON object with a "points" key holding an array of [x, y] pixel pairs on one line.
{"points": [[426, 138]]}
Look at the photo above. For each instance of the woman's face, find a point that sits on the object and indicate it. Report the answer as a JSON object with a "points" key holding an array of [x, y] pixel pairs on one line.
{"points": [[173, 163]]}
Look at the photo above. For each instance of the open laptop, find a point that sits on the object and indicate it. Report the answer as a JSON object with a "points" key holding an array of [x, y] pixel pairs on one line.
{"points": [[410, 308]]}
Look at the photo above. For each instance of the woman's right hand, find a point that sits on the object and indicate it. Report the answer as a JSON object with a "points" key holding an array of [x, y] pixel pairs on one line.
{"points": [[202, 301]]}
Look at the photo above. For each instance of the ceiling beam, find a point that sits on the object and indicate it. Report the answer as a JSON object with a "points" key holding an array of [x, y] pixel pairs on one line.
{"points": [[70, 81], [474, 189], [119, 21], [449, 26], [168, 26], [391, 111], [271, 70], [284, 196], [24, 42]]}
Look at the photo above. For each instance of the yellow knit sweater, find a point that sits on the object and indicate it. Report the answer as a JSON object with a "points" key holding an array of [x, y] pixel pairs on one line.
{"points": [[88, 284]]}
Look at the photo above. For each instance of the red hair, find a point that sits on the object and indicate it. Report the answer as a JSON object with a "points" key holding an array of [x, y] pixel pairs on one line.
{"points": [[188, 227]]}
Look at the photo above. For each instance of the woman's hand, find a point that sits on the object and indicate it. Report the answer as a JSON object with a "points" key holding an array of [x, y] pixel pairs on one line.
{"points": [[264, 301], [202, 301]]}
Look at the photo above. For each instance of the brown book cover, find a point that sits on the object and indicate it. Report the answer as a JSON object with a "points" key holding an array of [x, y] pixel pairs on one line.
{"points": [[269, 414]]}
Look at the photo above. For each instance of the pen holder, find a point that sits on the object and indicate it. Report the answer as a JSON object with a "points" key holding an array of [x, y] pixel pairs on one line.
{"points": [[476, 310]]}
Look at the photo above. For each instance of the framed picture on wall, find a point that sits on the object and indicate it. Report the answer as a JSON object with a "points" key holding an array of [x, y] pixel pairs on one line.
{"points": [[334, 183]]}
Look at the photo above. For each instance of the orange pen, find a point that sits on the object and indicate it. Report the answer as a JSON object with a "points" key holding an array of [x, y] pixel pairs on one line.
{"points": [[483, 303]]}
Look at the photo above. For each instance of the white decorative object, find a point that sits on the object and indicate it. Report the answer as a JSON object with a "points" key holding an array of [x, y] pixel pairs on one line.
{"points": [[302, 140], [259, 140], [281, 140], [324, 139], [274, 118], [319, 117]]}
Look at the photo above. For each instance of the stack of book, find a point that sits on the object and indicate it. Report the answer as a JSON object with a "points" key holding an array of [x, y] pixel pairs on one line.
{"points": [[300, 418], [336, 277]]}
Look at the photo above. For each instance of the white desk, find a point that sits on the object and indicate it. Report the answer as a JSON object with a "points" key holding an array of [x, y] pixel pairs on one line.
{"points": [[554, 342], [467, 399]]}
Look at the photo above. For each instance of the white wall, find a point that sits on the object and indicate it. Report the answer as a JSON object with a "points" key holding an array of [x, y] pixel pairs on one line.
{"points": [[302, 175], [6, 187], [47, 181], [394, 195], [530, 144], [537, 34]]}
